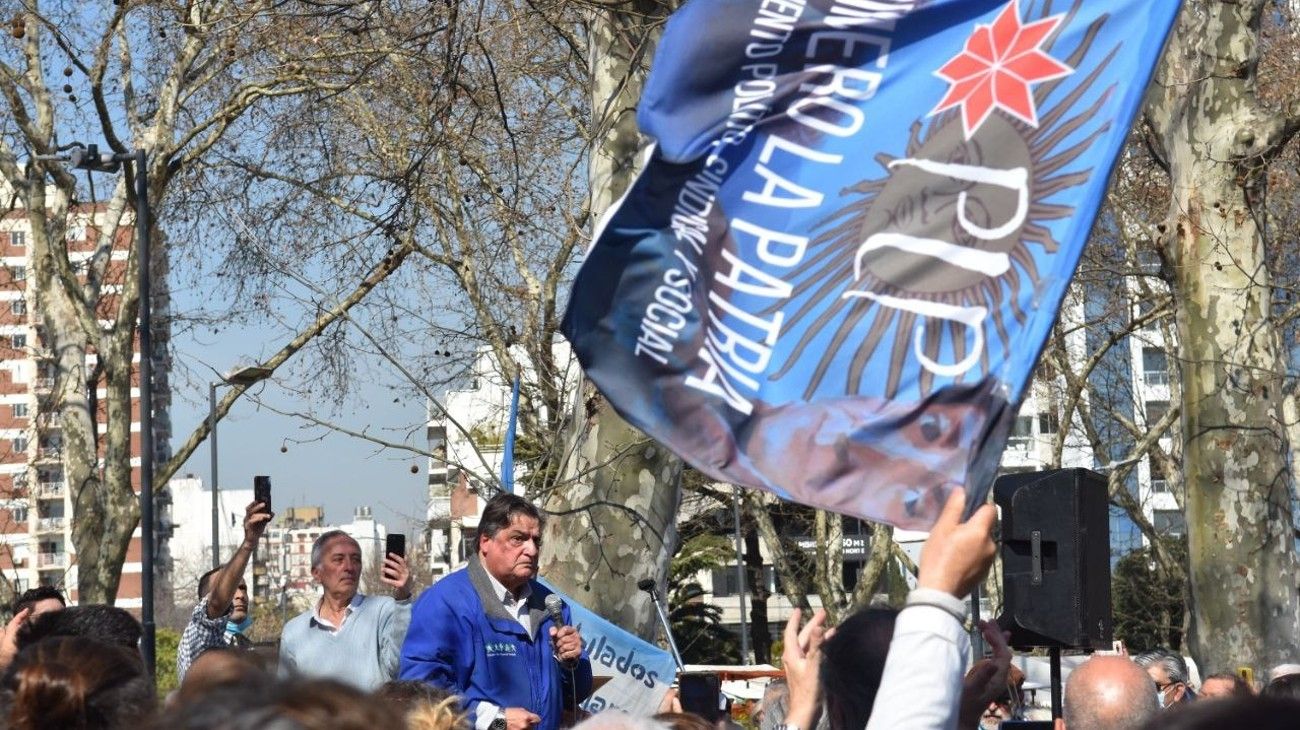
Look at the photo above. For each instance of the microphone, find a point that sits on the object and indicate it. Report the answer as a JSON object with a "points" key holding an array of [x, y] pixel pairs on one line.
{"points": [[555, 609], [646, 584]]}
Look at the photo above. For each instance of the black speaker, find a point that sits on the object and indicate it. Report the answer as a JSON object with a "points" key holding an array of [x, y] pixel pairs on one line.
{"points": [[1055, 559]]}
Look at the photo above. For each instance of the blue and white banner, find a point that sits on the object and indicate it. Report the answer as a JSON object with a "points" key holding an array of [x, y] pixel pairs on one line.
{"points": [[835, 273], [639, 673]]}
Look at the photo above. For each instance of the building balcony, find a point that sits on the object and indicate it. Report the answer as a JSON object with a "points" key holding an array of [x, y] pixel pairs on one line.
{"points": [[1155, 377], [47, 561], [51, 490], [44, 385], [49, 453], [47, 420], [439, 511], [51, 524]]}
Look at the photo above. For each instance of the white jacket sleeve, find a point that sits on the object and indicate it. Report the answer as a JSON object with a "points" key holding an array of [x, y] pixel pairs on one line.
{"points": [[921, 685]]}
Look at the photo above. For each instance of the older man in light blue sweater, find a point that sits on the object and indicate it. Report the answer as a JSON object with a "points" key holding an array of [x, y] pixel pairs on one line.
{"points": [[347, 635]]}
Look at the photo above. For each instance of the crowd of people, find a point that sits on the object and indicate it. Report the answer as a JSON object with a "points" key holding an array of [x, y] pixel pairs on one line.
{"points": [[490, 648]]}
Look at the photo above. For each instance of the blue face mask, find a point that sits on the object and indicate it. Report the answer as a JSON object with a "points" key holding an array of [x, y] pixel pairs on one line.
{"points": [[240, 627]]}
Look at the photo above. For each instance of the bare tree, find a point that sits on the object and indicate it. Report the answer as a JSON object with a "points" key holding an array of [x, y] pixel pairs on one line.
{"points": [[177, 80]]}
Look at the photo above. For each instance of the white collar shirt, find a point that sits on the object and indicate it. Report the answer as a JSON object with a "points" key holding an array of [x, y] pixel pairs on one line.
{"points": [[323, 623], [516, 606]]}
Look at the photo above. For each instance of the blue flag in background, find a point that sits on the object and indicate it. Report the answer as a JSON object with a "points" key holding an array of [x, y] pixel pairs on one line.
{"points": [[835, 273], [508, 452]]}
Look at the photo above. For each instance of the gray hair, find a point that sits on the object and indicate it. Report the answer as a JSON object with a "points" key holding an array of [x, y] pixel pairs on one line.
{"points": [[1173, 664], [318, 547]]}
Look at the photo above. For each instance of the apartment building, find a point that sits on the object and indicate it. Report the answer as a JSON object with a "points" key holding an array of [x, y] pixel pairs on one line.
{"points": [[36, 509], [283, 564]]}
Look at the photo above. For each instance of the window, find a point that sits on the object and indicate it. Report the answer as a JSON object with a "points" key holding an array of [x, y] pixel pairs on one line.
{"points": [[18, 513], [1048, 423], [19, 444], [1169, 521], [1159, 482], [1155, 366], [1156, 410], [18, 306], [19, 273], [727, 583], [20, 410], [18, 238], [18, 341], [1022, 431]]}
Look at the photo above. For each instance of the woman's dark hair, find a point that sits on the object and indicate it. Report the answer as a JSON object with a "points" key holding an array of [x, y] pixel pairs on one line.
{"points": [[297, 704], [109, 624], [852, 661], [74, 683]]}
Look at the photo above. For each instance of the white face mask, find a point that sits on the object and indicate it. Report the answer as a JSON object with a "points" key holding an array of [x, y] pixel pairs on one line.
{"points": [[1160, 699]]}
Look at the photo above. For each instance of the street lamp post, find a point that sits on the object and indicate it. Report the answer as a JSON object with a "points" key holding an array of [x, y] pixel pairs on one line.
{"points": [[88, 157], [245, 377]]}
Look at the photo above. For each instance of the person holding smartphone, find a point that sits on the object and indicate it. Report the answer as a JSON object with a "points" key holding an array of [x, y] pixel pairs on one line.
{"points": [[348, 635], [224, 610]]}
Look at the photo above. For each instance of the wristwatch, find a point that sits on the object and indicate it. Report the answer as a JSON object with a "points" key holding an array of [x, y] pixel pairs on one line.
{"points": [[499, 723]]}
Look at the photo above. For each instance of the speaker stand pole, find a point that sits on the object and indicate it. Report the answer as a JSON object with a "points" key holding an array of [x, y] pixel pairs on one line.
{"points": [[1054, 658], [976, 637]]}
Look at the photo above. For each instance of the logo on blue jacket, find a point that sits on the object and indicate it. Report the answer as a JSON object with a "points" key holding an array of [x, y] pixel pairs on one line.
{"points": [[834, 275]]}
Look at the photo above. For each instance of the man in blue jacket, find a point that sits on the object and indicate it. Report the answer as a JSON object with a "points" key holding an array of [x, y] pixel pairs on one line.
{"points": [[483, 632]]}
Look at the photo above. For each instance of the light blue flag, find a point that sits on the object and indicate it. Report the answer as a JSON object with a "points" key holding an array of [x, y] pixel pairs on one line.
{"points": [[639, 673]]}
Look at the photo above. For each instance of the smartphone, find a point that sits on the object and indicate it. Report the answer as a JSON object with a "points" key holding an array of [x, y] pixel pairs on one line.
{"points": [[395, 543], [1247, 674], [262, 492], [701, 694]]}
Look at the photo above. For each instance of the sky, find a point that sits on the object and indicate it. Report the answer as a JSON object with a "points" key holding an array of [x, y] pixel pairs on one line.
{"points": [[338, 472]]}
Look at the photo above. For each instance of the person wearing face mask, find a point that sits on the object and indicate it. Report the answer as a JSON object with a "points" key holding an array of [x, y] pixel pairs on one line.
{"points": [[1169, 671], [223, 614]]}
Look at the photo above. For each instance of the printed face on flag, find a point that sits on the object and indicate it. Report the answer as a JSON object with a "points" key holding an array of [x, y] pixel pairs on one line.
{"points": [[834, 275]]}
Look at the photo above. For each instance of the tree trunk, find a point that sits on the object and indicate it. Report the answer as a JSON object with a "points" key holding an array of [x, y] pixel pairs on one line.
{"points": [[614, 523], [760, 638], [828, 577], [882, 544], [1217, 139], [791, 585]]}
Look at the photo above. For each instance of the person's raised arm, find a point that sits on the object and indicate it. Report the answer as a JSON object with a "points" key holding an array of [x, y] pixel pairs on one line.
{"points": [[226, 582], [923, 674]]}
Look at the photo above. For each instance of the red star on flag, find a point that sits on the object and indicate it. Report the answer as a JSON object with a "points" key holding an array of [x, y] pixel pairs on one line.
{"points": [[996, 68]]}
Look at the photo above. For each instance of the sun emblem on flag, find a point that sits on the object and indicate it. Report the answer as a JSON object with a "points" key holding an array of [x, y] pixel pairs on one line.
{"points": [[995, 70]]}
